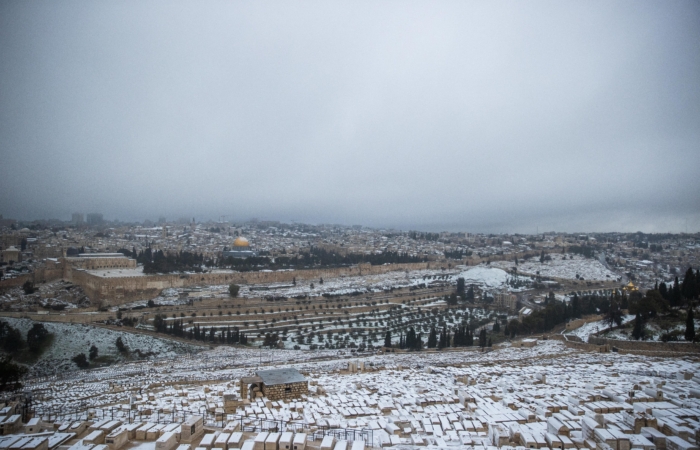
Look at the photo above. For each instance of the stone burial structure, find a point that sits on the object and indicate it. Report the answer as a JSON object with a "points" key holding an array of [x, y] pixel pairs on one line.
{"points": [[275, 384]]}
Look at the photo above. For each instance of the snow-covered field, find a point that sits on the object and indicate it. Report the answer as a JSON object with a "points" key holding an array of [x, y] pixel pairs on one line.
{"points": [[568, 266], [72, 339]]}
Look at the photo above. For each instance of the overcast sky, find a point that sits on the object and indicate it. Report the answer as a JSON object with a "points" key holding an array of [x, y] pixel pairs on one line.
{"points": [[474, 116]]}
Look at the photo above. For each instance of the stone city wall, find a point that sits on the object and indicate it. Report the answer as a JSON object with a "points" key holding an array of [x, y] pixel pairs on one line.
{"points": [[97, 263], [119, 290], [9, 283]]}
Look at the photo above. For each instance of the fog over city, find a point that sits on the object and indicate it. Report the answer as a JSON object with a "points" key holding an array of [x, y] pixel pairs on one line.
{"points": [[477, 116]]}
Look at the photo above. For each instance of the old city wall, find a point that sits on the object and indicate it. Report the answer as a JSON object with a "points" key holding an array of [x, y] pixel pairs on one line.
{"points": [[100, 263], [10, 283], [119, 290]]}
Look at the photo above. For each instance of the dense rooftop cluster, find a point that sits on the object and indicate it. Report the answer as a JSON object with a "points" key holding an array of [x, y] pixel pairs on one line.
{"points": [[643, 258]]}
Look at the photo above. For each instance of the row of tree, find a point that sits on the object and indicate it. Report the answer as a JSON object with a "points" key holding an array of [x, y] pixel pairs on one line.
{"points": [[160, 262], [321, 257], [457, 254], [177, 328], [462, 337], [12, 341]]}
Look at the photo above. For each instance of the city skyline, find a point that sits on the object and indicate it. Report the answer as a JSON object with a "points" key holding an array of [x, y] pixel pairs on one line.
{"points": [[485, 117]]}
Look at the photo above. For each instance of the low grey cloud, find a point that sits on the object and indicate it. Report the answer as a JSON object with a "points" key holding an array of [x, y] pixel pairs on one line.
{"points": [[482, 116]]}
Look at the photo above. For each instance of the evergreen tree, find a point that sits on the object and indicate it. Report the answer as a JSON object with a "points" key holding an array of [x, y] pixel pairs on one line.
{"points": [[676, 293], [432, 338], [614, 315], [689, 286], [451, 299], [387, 339], [11, 339], [496, 327], [442, 343], [638, 331], [690, 324], [81, 361], [575, 306], [412, 341], [37, 337], [482, 338], [93, 352], [470, 294], [10, 374], [663, 290], [460, 286]]}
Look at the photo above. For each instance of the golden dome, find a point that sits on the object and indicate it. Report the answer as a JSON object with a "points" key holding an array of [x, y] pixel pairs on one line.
{"points": [[241, 242]]}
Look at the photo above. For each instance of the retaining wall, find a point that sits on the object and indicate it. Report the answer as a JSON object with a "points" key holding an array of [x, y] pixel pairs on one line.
{"points": [[646, 346]]}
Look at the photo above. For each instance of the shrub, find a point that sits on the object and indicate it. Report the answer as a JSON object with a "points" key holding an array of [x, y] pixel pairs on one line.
{"points": [[11, 339], [10, 374], [37, 337], [121, 346], [28, 287], [81, 361]]}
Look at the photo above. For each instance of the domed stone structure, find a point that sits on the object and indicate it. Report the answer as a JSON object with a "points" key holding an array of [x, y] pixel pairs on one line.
{"points": [[241, 242], [241, 249]]}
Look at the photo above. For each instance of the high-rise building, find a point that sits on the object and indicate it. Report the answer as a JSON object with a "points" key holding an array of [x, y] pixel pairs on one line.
{"points": [[94, 219], [77, 219]]}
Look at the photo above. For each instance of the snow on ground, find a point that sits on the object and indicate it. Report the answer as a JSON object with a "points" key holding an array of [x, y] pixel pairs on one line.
{"points": [[488, 277], [563, 266], [652, 332], [590, 328], [72, 339], [333, 286], [483, 276], [418, 389]]}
